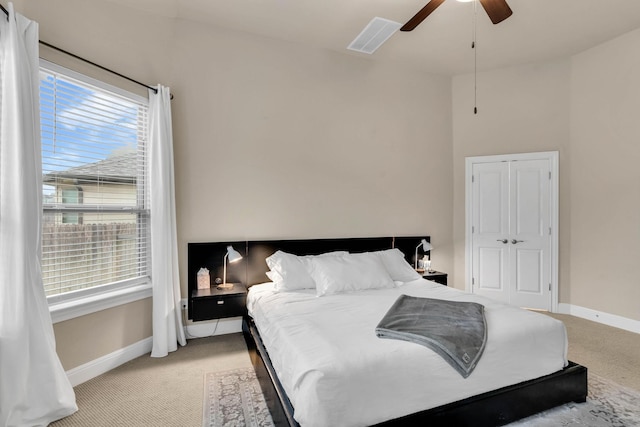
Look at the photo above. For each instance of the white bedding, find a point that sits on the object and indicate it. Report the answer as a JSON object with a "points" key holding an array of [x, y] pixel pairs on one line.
{"points": [[336, 372]]}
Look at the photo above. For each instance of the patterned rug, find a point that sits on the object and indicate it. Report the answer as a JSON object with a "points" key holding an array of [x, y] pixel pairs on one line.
{"points": [[608, 405], [234, 399]]}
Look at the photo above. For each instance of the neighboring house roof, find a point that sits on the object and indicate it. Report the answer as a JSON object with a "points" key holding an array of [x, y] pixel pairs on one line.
{"points": [[121, 168]]}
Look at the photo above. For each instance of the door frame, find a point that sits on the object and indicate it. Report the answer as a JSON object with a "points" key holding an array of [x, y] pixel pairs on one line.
{"points": [[553, 157]]}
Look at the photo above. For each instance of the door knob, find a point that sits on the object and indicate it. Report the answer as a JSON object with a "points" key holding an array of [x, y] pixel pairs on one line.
{"points": [[503, 241], [514, 241]]}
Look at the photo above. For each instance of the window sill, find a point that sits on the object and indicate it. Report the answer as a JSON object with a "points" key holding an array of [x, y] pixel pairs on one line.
{"points": [[67, 310]]}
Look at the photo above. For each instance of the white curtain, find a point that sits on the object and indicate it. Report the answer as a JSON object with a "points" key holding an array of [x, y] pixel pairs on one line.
{"points": [[34, 389], [167, 319]]}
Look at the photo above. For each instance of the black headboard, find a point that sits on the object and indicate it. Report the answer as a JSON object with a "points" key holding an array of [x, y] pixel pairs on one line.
{"points": [[252, 267]]}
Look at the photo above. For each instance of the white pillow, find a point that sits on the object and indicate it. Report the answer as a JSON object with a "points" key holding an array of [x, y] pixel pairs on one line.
{"points": [[351, 272], [397, 266], [289, 272]]}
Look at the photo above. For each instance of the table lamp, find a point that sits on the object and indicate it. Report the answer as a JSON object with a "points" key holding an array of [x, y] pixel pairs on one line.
{"points": [[232, 256], [427, 247]]}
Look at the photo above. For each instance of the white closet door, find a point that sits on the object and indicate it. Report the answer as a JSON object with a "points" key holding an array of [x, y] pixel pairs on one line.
{"points": [[491, 229], [511, 231], [529, 242]]}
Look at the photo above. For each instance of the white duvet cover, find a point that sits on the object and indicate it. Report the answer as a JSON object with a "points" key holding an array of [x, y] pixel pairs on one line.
{"points": [[336, 372]]}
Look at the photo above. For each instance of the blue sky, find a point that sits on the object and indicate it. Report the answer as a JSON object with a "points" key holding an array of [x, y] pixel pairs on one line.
{"points": [[81, 124]]}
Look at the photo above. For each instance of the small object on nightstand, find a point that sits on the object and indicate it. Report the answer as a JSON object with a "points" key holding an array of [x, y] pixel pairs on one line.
{"points": [[204, 280], [226, 287]]}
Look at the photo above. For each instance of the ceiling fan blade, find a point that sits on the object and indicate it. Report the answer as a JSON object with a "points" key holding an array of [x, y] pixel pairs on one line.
{"points": [[498, 10], [420, 16]]}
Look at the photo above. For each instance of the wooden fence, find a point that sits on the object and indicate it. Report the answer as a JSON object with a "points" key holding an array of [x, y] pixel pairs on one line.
{"points": [[77, 256]]}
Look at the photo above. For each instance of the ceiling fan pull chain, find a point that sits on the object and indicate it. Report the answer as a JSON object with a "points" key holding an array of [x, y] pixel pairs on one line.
{"points": [[475, 78], [475, 58]]}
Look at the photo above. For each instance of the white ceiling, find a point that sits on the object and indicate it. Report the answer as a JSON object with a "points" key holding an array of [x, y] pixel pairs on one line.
{"points": [[538, 30]]}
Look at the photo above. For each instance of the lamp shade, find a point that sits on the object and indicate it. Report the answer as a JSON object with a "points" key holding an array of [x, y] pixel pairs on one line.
{"points": [[426, 245], [232, 254]]}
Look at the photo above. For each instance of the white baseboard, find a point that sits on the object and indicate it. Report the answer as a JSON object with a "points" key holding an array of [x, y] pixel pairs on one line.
{"points": [[109, 361], [600, 317]]}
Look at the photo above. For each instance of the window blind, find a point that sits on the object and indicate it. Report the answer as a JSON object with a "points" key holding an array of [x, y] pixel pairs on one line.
{"points": [[95, 206]]}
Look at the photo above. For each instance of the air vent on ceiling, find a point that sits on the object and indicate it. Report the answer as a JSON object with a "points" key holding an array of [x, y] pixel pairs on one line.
{"points": [[374, 34]]}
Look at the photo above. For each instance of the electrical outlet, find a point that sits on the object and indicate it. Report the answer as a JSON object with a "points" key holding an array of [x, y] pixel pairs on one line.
{"points": [[183, 303]]}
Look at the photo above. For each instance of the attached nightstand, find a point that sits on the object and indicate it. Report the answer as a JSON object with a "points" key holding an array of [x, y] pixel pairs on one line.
{"points": [[436, 276], [213, 303]]}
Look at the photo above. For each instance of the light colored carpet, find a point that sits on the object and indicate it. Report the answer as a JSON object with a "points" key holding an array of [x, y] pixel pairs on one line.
{"points": [[163, 391], [609, 352]]}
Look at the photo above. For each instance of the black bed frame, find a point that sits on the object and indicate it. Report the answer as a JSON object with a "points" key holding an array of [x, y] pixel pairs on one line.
{"points": [[494, 408]]}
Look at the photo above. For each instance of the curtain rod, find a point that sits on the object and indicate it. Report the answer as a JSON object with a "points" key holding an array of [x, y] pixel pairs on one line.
{"points": [[73, 55], [87, 61]]}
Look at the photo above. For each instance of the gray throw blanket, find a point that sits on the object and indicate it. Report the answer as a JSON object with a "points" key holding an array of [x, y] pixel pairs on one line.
{"points": [[455, 330]]}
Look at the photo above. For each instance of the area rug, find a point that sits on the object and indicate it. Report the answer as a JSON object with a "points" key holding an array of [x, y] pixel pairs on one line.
{"points": [[234, 399]]}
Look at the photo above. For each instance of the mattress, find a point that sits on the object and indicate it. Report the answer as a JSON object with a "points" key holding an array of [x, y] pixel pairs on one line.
{"points": [[336, 372]]}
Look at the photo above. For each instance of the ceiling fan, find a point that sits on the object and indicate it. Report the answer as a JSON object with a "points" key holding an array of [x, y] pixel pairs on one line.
{"points": [[498, 11]]}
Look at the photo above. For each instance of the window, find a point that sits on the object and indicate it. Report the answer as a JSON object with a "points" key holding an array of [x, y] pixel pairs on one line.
{"points": [[95, 207], [71, 196]]}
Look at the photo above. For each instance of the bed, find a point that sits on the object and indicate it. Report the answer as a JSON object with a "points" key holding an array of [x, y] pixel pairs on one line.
{"points": [[319, 362]]}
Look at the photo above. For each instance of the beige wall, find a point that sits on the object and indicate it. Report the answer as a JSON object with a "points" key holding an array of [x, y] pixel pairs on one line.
{"points": [[271, 139], [605, 178], [587, 108], [274, 140]]}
